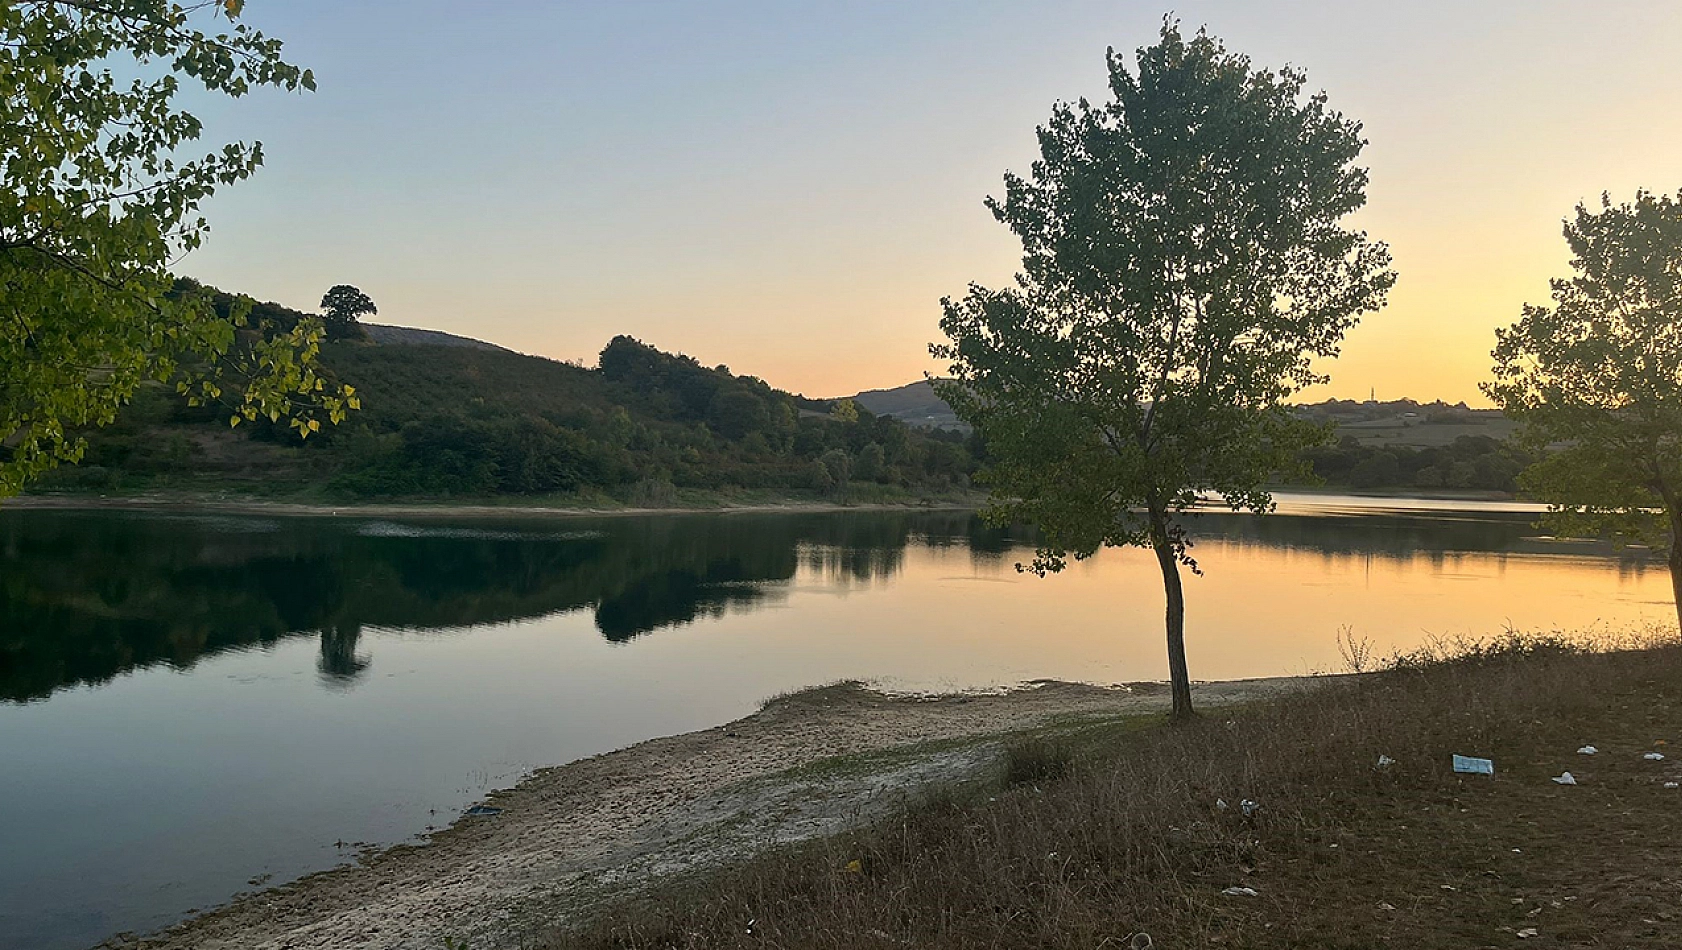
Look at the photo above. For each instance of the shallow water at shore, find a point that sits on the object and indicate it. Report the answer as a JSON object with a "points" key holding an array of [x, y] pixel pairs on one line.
{"points": [[192, 703]]}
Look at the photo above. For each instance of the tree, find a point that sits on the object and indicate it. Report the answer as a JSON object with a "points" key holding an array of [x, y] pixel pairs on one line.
{"points": [[838, 466], [1378, 470], [1183, 260], [736, 412], [872, 463], [1600, 374], [98, 199], [342, 306]]}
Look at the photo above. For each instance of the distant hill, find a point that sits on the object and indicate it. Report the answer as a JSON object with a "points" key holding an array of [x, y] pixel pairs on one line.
{"points": [[1398, 445], [413, 336], [1409, 424], [914, 404], [1400, 423]]}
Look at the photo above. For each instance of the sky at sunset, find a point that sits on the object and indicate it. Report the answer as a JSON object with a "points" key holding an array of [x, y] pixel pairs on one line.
{"points": [[790, 187]]}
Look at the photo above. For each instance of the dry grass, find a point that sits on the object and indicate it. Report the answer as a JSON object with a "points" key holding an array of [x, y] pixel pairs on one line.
{"points": [[1038, 759], [1125, 834]]}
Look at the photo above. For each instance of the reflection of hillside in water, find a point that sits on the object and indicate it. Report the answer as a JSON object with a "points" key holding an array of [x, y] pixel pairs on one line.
{"points": [[86, 596], [1439, 541]]}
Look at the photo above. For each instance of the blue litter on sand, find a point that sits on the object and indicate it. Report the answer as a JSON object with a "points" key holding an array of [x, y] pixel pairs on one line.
{"points": [[1474, 766], [482, 811]]}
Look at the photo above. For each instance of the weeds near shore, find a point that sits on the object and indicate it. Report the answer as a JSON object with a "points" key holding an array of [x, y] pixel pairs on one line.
{"points": [[1037, 759], [836, 691], [1357, 652], [1132, 830]]}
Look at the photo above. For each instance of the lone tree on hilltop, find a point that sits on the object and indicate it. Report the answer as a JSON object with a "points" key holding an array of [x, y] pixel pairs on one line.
{"points": [[1183, 261], [341, 307], [1601, 372]]}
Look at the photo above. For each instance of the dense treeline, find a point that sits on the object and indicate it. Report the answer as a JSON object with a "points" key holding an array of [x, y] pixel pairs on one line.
{"points": [[644, 424], [1475, 462], [455, 422]]}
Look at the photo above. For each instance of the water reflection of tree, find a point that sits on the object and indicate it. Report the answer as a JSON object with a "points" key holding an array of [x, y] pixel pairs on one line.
{"points": [[675, 598], [85, 597], [339, 664], [852, 567], [1439, 541]]}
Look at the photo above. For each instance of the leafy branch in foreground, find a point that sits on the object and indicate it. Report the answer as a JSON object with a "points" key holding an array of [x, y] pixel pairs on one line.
{"points": [[1183, 262], [97, 202]]}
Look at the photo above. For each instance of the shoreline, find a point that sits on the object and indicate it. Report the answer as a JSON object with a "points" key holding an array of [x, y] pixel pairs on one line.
{"points": [[1415, 494], [253, 506], [805, 765], [480, 509]]}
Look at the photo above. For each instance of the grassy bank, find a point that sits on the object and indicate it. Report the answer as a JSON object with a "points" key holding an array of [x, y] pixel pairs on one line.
{"points": [[1092, 834]]}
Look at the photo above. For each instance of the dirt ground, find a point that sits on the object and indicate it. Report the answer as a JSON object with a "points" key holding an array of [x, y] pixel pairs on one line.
{"points": [[805, 765]]}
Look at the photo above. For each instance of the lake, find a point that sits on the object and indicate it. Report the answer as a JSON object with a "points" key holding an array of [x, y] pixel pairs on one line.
{"points": [[196, 705]]}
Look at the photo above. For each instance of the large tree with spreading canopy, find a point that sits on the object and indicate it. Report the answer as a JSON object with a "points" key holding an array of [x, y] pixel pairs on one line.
{"points": [[1185, 258]]}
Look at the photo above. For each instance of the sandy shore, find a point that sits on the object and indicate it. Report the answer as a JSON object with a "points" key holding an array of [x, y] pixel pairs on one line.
{"points": [[805, 765]]}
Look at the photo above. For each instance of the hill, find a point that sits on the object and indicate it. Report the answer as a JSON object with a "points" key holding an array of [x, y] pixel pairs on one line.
{"points": [[445, 417], [1410, 424], [913, 404], [450, 417], [413, 336], [1399, 423], [1400, 445]]}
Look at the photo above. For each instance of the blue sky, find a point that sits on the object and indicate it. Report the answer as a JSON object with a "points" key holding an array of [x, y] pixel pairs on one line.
{"points": [[789, 187]]}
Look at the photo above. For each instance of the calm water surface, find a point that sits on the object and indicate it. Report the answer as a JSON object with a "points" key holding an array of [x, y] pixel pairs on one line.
{"points": [[192, 706]]}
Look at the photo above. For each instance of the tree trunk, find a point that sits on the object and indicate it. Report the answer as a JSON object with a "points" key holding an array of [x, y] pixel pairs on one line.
{"points": [[1674, 510], [1675, 556], [1676, 578], [1178, 676]]}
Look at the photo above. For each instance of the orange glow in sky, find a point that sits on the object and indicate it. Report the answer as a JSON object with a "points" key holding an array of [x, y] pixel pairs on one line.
{"points": [[790, 189]]}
